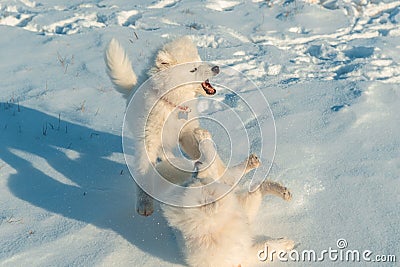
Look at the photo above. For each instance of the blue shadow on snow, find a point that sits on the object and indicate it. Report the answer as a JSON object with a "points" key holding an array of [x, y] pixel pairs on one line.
{"points": [[100, 191]]}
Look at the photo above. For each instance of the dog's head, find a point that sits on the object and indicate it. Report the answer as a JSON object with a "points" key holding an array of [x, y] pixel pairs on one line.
{"points": [[202, 71], [183, 51]]}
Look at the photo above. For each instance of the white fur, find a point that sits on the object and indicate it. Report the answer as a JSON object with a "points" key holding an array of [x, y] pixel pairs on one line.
{"points": [[216, 234], [161, 104], [119, 67], [219, 234]]}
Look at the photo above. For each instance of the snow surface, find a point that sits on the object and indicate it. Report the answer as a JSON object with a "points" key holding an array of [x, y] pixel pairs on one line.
{"points": [[329, 69]]}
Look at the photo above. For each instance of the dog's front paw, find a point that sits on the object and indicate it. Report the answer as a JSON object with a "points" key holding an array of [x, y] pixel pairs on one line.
{"points": [[253, 162], [274, 188], [201, 134]]}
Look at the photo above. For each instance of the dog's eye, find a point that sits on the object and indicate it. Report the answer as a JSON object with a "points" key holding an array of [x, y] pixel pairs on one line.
{"points": [[193, 70]]}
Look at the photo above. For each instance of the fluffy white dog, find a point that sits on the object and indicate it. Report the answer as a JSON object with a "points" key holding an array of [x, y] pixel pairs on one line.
{"points": [[176, 63], [219, 234]]}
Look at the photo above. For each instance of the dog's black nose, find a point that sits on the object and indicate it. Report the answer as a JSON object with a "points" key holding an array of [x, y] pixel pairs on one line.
{"points": [[215, 69]]}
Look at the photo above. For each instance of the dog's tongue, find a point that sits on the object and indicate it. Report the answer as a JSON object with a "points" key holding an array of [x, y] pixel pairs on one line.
{"points": [[207, 87]]}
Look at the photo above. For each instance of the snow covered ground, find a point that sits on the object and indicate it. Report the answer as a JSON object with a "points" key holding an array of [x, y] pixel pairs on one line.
{"points": [[329, 69]]}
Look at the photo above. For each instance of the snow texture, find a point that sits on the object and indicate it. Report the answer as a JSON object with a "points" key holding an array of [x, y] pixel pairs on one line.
{"points": [[329, 69]]}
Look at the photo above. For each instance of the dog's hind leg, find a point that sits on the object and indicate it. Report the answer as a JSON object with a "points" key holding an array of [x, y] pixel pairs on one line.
{"points": [[233, 174], [251, 201], [148, 153], [273, 188], [144, 202]]}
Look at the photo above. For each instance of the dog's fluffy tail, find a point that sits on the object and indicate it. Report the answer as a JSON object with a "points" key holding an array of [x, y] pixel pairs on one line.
{"points": [[119, 68]]}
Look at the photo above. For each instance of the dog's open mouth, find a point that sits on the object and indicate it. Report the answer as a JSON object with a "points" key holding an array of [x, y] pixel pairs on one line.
{"points": [[207, 87]]}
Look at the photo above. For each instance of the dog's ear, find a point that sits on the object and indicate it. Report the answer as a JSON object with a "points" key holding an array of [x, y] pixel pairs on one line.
{"points": [[165, 60]]}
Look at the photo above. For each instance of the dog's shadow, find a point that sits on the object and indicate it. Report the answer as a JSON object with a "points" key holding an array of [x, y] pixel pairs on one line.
{"points": [[79, 173]]}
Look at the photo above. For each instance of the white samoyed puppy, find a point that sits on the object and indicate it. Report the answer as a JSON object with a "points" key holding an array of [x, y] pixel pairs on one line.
{"points": [[180, 77], [219, 234]]}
